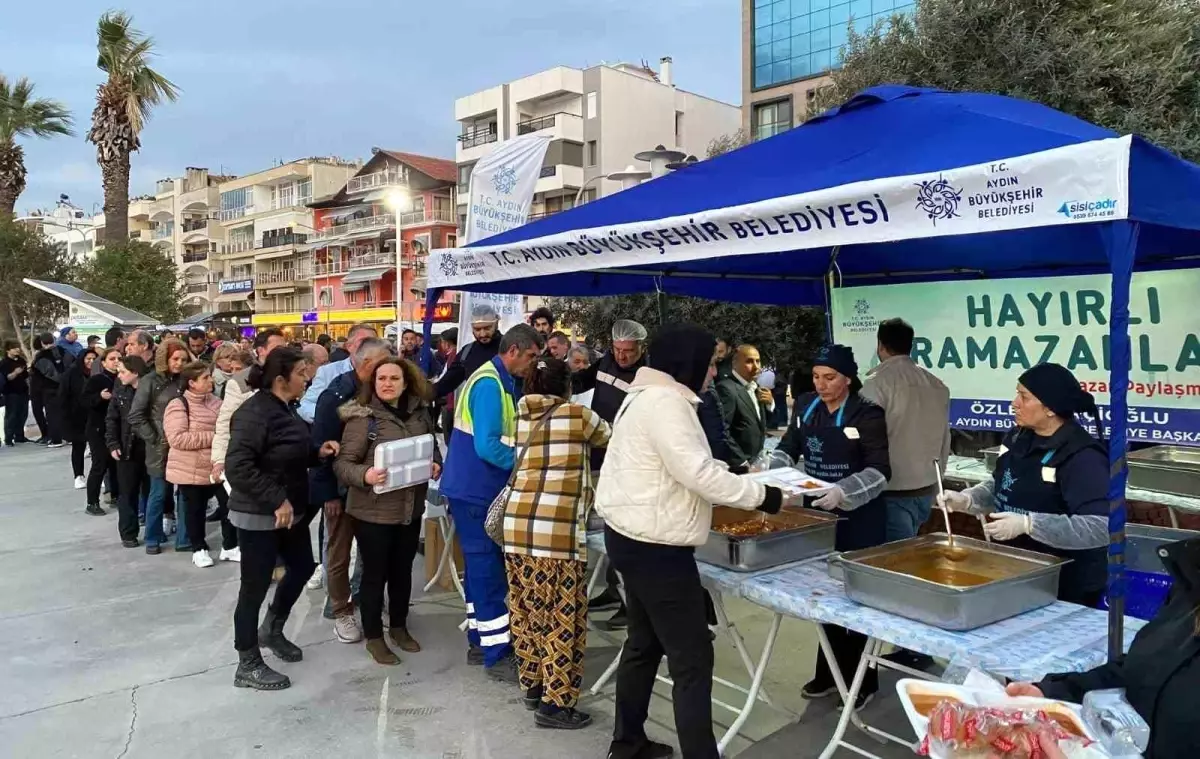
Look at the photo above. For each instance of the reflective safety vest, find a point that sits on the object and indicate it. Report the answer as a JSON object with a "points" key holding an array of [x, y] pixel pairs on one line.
{"points": [[508, 407]]}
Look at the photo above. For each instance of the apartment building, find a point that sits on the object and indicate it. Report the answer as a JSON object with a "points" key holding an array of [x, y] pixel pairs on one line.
{"points": [[598, 117], [66, 224], [356, 274], [261, 263], [788, 49]]}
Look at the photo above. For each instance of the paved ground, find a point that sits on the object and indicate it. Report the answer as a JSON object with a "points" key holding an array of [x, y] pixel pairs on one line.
{"points": [[107, 652]]}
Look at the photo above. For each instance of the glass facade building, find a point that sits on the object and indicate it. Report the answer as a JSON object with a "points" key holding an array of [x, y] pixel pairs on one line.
{"points": [[796, 39]]}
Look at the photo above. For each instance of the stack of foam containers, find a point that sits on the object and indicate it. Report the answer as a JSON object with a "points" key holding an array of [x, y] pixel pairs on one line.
{"points": [[408, 462]]}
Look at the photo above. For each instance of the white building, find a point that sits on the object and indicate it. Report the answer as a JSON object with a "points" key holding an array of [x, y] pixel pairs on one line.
{"points": [[67, 224], [599, 118]]}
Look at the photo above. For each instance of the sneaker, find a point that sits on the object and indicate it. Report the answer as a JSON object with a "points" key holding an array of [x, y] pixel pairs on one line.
{"points": [[474, 655], [201, 559], [555, 718], [168, 526], [648, 750], [231, 554], [153, 550], [59, 444], [317, 580], [94, 510], [80, 482], [505, 670], [815, 689], [131, 543], [610, 598], [618, 621], [347, 630]]}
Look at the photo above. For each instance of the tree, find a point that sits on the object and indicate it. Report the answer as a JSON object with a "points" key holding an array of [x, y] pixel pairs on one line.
{"points": [[1130, 65], [23, 115], [25, 253], [727, 142], [123, 104], [137, 275]]}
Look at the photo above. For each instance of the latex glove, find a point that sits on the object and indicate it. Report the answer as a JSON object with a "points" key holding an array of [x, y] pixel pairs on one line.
{"points": [[834, 499], [954, 501], [1005, 526]]}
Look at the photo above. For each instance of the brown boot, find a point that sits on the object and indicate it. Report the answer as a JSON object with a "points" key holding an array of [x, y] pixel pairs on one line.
{"points": [[379, 651], [401, 638]]}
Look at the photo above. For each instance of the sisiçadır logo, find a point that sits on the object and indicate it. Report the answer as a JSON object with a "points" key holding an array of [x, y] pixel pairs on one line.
{"points": [[1089, 209]]}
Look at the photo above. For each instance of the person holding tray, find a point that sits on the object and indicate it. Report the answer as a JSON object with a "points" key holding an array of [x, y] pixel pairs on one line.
{"points": [[1049, 490], [843, 439]]}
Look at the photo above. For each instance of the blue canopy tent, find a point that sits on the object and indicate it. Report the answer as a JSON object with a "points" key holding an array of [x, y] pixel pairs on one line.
{"points": [[899, 184]]}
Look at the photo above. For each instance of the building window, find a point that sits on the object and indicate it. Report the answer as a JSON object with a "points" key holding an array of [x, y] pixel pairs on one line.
{"points": [[464, 177], [769, 119], [451, 241], [591, 105], [795, 39], [237, 203], [593, 153], [325, 299], [283, 196], [304, 191]]}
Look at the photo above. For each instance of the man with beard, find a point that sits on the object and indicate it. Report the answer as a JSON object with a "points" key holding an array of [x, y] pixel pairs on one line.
{"points": [[485, 328]]}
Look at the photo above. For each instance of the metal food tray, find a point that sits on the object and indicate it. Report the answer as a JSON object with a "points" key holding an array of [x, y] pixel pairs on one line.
{"points": [[991, 456], [750, 554], [1142, 542], [1166, 469], [1031, 583]]}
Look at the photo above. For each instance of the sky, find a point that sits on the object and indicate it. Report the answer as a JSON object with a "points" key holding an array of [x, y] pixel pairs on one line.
{"points": [[270, 80]]}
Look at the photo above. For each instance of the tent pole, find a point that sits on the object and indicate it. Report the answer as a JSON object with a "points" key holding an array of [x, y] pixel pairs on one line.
{"points": [[1120, 238], [827, 291], [431, 298]]}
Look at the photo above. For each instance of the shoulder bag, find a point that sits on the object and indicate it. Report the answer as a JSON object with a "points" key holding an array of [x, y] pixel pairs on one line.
{"points": [[493, 525]]}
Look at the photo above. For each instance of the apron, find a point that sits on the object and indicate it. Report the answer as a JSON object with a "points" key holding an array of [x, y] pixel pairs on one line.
{"points": [[1028, 484], [830, 454]]}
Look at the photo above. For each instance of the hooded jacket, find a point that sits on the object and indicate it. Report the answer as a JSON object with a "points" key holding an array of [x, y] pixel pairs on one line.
{"points": [[357, 455]]}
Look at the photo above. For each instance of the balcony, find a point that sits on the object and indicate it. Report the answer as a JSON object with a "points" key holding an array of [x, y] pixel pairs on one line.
{"points": [[561, 126], [378, 222], [192, 225], [562, 177], [378, 180], [195, 257], [229, 214], [279, 240], [191, 288], [343, 265], [428, 216], [281, 277], [473, 138], [162, 232], [135, 234]]}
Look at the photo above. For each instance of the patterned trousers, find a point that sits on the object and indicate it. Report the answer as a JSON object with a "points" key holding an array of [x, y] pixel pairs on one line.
{"points": [[547, 613]]}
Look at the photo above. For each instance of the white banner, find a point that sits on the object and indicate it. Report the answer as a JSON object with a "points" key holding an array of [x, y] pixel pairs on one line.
{"points": [[502, 187], [1068, 185]]}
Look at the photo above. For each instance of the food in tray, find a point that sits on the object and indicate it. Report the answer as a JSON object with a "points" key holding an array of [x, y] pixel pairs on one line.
{"points": [[935, 564], [964, 731], [750, 529], [810, 485]]}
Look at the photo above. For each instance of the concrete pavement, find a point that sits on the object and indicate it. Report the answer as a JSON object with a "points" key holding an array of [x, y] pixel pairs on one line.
{"points": [[108, 652]]}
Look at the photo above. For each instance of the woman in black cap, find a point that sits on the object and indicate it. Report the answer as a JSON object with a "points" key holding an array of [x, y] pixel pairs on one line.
{"points": [[1049, 490], [843, 439]]}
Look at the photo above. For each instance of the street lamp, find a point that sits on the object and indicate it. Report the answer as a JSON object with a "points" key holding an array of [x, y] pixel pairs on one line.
{"points": [[660, 159], [397, 199], [628, 177]]}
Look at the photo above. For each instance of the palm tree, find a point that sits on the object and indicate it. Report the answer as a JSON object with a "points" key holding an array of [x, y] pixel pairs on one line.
{"points": [[23, 115], [123, 104]]}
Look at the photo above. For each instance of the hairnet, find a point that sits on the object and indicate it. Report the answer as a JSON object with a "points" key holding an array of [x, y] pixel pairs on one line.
{"points": [[627, 329]]}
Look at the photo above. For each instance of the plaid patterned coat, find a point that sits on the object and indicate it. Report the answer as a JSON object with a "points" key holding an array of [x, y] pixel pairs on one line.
{"points": [[552, 492]]}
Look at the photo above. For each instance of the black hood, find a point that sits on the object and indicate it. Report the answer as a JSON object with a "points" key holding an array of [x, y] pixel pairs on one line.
{"points": [[1182, 560], [685, 352]]}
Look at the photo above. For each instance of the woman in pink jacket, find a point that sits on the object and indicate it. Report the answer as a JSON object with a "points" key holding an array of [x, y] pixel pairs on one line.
{"points": [[189, 423]]}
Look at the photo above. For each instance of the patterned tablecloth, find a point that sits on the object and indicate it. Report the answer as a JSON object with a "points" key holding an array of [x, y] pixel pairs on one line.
{"points": [[1057, 638]]}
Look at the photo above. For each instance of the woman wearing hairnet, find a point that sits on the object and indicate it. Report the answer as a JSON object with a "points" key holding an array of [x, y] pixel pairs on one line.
{"points": [[1049, 490]]}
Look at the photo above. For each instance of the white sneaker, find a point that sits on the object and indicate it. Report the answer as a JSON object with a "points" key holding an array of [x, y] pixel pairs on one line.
{"points": [[317, 580], [231, 554], [347, 630], [201, 559], [80, 483], [168, 526]]}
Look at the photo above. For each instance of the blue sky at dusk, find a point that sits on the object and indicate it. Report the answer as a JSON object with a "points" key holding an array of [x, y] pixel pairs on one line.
{"points": [[265, 80]]}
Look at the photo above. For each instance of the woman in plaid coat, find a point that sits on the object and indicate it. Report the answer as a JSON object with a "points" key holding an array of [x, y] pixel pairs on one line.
{"points": [[545, 528]]}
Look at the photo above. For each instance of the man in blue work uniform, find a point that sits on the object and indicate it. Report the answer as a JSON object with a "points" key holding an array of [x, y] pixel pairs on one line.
{"points": [[477, 468]]}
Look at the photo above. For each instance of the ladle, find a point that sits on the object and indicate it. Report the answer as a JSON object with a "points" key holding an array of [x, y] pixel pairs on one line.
{"points": [[951, 552]]}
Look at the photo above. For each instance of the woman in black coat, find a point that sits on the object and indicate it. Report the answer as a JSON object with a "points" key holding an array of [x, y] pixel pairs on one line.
{"points": [[267, 463], [1161, 672], [73, 413], [97, 392]]}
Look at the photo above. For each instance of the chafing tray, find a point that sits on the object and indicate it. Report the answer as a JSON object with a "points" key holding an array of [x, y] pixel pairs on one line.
{"points": [[1142, 542], [1166, 469], [990, 583], [991, 456], [807, 533]]}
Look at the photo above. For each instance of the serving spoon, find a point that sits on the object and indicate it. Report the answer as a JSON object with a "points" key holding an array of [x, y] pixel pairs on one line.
{"points": [[952, 551]]}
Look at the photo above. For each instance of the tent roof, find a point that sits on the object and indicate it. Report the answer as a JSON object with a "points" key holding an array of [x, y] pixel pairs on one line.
{"points": [[883, 132]]}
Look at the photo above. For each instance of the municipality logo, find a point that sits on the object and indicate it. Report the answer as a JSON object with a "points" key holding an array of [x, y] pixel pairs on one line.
{"points": [[448, 265], [862, 307], [1075, 210], [1007, 481], [505, 179], [814, 445], [938, 199]]}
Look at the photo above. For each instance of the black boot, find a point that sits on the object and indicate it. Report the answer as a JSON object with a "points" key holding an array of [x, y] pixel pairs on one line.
{"points": [[95, 510], [270, 636], [253, 672]]}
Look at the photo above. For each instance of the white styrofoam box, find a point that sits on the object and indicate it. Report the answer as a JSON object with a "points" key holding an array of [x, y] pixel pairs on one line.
{"points": [[424, 447], [398, 452], [406, 475], [418, 471]]}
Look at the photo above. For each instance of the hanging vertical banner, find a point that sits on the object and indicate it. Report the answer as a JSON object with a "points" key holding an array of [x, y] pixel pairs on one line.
{"points": [[501, 194]]}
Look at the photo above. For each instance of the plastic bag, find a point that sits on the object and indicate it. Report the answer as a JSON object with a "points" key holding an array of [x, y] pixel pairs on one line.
{"points": [[771, 459], [964, 731], [1117, 727]]}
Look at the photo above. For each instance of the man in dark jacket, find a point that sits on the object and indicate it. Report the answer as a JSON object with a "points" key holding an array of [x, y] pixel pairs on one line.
{"points": [[128, 449], [49, 368], [198, 345], [485, 327], [746, 407], [326, 491]]}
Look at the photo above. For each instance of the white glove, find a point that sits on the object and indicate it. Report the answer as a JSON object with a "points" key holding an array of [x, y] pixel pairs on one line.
{"points": [[1005, 526], [834, 499], [954, 501]]}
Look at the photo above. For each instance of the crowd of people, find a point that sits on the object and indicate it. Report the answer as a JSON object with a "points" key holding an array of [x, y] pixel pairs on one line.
{"points": [[265, 436]]}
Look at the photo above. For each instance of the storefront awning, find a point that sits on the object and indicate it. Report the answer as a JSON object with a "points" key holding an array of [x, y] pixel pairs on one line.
{"points": [[354, 287], [366, 274]]}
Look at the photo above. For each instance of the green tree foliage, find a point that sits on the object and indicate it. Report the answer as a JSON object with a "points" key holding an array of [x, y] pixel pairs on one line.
{"points": [[136, 275], [26, 254], [1130, 65], [727, 142]]}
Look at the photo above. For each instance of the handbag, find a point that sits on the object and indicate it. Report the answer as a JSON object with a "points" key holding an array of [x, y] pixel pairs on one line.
{"points": [[493, 524]]}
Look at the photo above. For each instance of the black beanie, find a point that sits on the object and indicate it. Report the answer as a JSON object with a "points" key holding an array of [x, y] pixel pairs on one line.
{"points": [[840, 358], [685, 352], [1059, 391]]}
